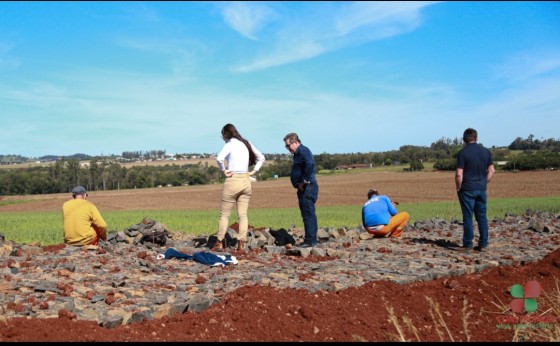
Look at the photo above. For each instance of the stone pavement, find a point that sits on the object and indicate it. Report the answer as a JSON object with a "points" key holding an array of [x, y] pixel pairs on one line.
{"points": [[123, 281]]}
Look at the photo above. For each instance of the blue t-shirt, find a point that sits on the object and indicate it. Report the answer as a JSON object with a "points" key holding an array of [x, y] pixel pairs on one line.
{"points": [[377, 211], [474, 159]]}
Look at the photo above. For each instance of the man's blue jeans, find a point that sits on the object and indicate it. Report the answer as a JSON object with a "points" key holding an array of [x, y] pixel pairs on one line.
{"points": [[474, 203], [307, 199]]}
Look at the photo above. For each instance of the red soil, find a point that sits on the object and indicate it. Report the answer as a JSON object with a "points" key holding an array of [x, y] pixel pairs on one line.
{"points": [[437, 310]]}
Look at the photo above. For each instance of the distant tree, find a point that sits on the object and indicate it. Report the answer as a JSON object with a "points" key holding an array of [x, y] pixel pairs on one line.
{"points": [[530, 143], [447, 164], [534, 160], [499, 154], [114, 174], [197, 178], [326, 161], [9, 159], [213, 173], [279, 168], [72, 175], [57, 169], [94, 176], [416, 165], [448, 145]]}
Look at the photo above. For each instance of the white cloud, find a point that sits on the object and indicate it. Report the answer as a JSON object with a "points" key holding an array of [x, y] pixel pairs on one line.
{"points": [[401, 16], [183, 55], [309, 34], [247, 18], [298, 51], [524, 66]]}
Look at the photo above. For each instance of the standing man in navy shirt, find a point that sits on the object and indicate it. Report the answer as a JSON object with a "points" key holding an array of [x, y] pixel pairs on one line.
{"points": [[475, 169], [304, 180]]}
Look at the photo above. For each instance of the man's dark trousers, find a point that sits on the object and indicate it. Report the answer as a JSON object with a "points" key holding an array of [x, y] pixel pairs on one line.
{"points": [[307, 199]]}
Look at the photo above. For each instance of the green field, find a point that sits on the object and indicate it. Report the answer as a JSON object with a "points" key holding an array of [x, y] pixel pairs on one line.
{"points": [[46, 227]]}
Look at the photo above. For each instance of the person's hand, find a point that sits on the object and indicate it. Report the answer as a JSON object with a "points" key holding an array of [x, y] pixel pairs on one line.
{"points": [[228, 173], [252, 176], [101, 232], [301, 186], [395, 203]]}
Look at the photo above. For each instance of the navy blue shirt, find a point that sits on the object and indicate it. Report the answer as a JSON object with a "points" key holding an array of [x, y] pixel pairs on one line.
{"points": [[474, 159], [303, 168]]}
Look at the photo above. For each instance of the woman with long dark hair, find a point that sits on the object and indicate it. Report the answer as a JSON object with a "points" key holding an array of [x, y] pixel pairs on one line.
{"points": [[239, 154]]}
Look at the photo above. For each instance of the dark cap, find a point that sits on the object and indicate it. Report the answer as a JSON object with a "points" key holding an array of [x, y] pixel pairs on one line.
{"points": [[79, 190]]}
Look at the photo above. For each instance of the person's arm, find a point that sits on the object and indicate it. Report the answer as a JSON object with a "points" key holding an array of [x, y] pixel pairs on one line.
{"points": [[99, 224], [392, 210], [220, 159], [459, 178], [308, 167], [459, 170], [101, 232], [260, 160], [490, 173]]}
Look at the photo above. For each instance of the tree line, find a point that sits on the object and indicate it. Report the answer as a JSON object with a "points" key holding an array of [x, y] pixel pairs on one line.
{"points": [[105, 173]]}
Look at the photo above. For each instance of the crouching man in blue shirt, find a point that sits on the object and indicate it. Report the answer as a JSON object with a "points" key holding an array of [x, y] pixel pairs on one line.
{"points": [[381, 218]]}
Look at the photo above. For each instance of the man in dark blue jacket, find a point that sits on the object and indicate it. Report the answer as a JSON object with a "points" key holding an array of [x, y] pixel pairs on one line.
{"points": [[475, 169], [304, 180]]}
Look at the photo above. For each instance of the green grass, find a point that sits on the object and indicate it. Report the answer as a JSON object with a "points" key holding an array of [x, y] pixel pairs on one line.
{"points": [[497, 208], [46, 227], [3, 203], [428, 167]]}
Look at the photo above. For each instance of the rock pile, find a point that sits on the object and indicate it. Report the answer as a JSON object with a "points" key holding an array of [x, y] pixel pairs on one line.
{"points": [[124, 280]]}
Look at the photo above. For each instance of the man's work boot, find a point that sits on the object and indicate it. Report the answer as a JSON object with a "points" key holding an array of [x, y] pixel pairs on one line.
{"points": [[241, 246], [218, 247]]}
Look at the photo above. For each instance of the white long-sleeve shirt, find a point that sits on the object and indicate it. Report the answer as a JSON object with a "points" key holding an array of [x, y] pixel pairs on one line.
{"points": [[237, 156]]}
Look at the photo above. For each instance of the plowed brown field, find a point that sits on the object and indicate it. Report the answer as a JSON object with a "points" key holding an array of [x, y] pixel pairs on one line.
{"points": [[337, 189]]}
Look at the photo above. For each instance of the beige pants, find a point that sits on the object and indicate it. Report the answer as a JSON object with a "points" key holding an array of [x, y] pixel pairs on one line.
{"points": [[237, 189]]}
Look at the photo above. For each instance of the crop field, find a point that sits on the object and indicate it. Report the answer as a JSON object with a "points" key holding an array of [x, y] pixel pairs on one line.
{"points": [[344, 189], [195, 209]]}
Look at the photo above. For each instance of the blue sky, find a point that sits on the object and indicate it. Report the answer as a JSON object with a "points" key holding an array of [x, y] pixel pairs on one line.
{"points": [[107, 77]]}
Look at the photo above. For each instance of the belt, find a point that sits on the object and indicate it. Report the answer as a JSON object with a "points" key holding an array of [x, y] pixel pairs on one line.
{"points": [[239, 175]]}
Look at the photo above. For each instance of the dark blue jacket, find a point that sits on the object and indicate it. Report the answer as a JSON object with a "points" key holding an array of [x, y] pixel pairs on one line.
{"points": [[303, 168]]}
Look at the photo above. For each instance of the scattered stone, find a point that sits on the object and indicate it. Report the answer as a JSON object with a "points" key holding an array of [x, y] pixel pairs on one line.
{"points": [[123, 280]]}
